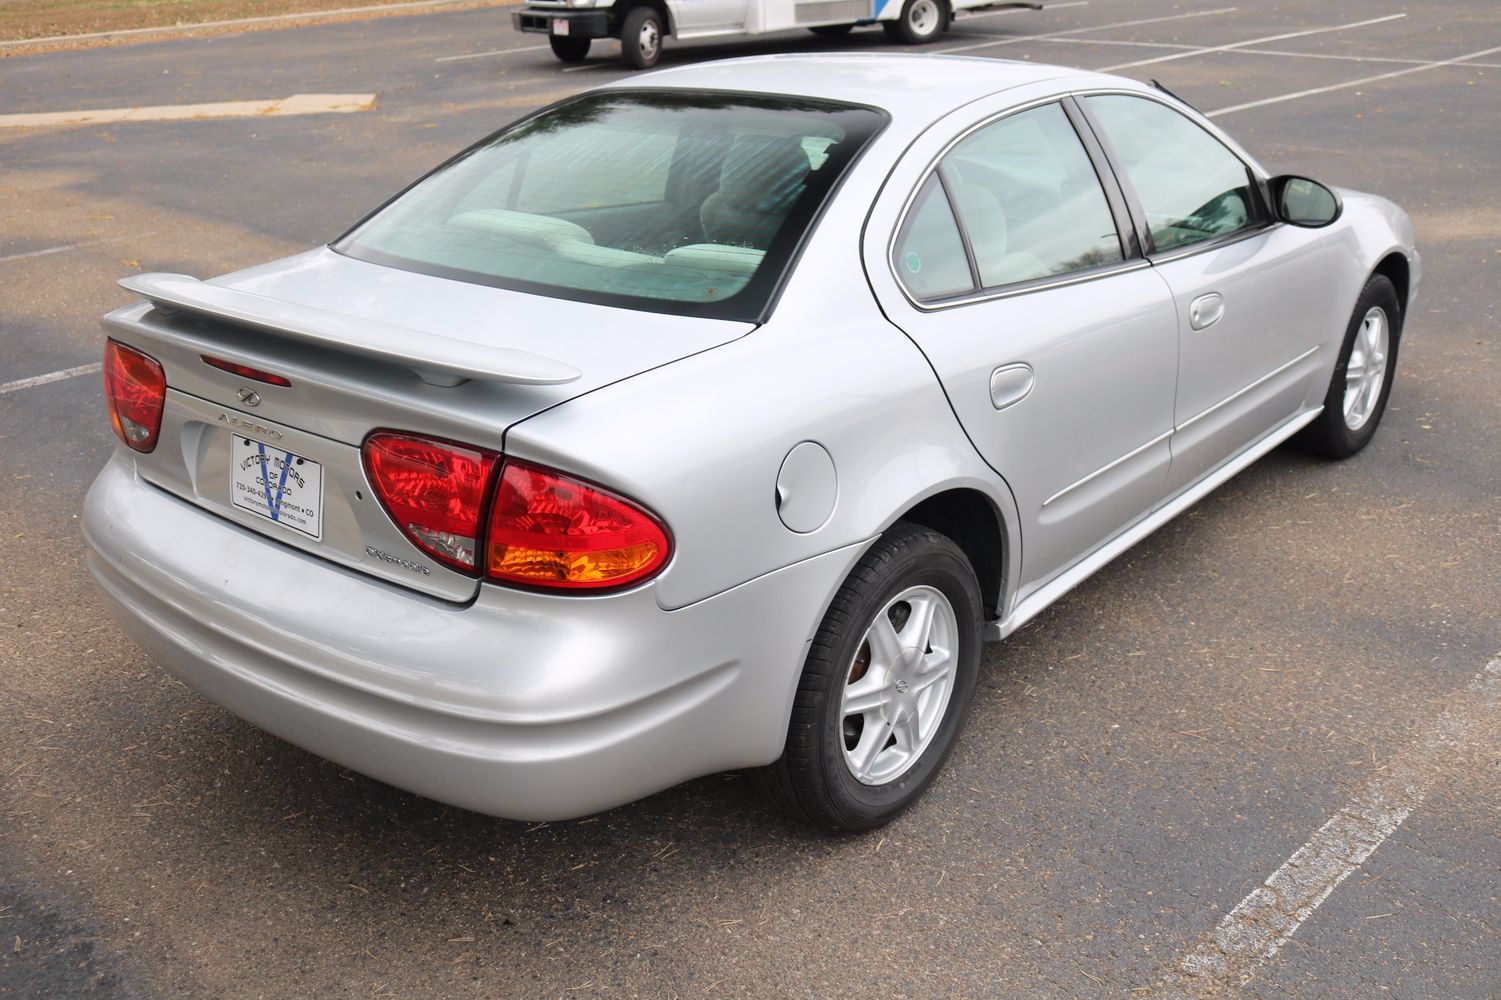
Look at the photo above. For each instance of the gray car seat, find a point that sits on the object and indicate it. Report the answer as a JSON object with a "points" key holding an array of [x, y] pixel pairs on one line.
{"points": [[762, 176]]}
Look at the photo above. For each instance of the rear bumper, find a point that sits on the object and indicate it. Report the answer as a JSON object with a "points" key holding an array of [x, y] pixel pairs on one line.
{"points": [[580, 23], [521, 705]]}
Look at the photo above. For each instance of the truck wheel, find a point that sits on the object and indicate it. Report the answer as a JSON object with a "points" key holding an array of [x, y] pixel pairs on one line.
{"points": [[569, 50], [641, 38], [921, 21]]}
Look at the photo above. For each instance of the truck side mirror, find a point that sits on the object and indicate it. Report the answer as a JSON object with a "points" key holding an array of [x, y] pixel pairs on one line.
{"points": [[1304, 202]]}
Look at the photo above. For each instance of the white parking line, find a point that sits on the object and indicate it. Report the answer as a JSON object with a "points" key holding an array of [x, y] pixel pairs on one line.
{"points": [[1263, 922], [1254, 41], [1023, 10], [492, 52], [1332, 57], [1352, 83], [297, 104], [1016, 39], [170, 29], [58, 376], [49, 251]]}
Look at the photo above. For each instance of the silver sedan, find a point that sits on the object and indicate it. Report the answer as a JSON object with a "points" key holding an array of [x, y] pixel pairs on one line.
{"points": [[715, 420]]}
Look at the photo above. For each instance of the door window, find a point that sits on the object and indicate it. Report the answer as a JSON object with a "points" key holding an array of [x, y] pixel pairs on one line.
{"points": [[1191, 187], [1029, 199]]}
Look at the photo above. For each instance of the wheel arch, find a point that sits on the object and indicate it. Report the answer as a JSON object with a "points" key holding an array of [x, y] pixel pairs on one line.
{"points": [[620, 11], [1396, 269], [976, 524]]}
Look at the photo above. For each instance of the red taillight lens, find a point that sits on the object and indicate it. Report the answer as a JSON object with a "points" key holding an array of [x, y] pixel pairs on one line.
{"points": [[433, 490], [550, 530], [245, 371], [136, 389]]}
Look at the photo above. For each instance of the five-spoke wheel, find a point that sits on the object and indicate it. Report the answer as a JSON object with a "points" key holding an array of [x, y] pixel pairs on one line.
{"points": [[886, 685]]}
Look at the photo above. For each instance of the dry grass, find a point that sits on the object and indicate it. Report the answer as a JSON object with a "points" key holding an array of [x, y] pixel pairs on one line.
{"points": [[41, 19]]}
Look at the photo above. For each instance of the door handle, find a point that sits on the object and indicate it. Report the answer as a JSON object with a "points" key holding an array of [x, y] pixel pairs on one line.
{"points": [[1206, 310], [1010, 384]]}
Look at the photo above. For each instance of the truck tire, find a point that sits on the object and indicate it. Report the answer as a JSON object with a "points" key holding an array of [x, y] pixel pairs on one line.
{"points": [[920, 22], [569, 50], [641, 38]]}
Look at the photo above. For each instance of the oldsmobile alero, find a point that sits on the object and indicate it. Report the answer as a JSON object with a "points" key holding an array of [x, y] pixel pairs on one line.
{"points": [[714, 420]]}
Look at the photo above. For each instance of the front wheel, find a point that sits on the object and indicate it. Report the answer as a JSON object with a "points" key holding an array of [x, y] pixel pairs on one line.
{"points": [[920, 22], [886, 685], [1362, 378], [641, 38], [569, 50]]}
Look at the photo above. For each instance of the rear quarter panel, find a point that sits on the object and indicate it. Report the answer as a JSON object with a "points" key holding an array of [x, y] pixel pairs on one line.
{"points": [[701, 441]]}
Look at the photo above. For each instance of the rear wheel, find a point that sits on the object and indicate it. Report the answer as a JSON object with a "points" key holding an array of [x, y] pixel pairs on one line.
{"points": [[641, 38], [886, 685], [1362, 380], [920, 22], [569, 50]]}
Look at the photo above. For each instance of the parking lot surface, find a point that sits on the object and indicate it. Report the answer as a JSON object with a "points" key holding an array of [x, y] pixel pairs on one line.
{"points": [[1295, 683]]}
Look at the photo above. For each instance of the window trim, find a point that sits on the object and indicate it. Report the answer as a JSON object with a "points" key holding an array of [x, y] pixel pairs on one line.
{"points": [[1131, 248], [1257, 177]]}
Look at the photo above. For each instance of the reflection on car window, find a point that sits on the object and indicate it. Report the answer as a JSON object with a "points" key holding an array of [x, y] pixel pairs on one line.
{"points": [[929, 252], [1190, 186], [1029, 198], [678, 201]]}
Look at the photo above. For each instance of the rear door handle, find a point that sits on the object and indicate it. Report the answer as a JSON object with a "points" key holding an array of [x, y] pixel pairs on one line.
{"points": [[1206, 310], [1010, 384]]}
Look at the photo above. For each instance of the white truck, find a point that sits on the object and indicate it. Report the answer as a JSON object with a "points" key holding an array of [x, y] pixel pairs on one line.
{"points": [[641, 25]]}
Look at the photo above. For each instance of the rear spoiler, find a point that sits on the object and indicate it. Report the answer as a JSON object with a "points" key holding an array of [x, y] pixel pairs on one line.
{"points": [[436, 359]]}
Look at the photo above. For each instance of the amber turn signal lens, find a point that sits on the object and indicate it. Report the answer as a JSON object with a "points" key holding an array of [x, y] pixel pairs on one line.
{"points": [[551, 530]]}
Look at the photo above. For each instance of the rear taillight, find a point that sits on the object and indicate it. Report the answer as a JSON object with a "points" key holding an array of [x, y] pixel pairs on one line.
{"points": [[136, 389], [553, 531], [433, 490], [543, 529]]}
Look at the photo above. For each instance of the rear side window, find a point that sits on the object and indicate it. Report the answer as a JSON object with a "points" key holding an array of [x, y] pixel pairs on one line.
{"points": [[1191, 187], [684, 202], [1030, 204]]}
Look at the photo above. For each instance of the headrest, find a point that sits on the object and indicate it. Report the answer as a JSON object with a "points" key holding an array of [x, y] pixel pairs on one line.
{"points": [[763, 173]]}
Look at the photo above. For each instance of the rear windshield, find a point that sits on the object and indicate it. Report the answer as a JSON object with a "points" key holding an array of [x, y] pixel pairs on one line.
{"points": [[676, 202]]}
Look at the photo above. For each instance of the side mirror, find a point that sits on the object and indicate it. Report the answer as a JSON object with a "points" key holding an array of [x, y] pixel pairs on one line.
{"points": [[1304, 202]]}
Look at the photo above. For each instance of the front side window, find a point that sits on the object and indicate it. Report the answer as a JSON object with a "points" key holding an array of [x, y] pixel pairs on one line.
{"points": [[679, 202], [1191, 187], [1030, 203]]}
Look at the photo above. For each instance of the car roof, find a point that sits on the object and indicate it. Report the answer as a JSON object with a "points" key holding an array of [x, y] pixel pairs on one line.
{"points": [[905, 85]]}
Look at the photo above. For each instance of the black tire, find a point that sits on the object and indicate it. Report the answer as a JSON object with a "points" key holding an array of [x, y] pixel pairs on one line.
{"points": [[812, 780], [569, 50], [1331, 435], [832, 30], [641, 38], [920, 22]]}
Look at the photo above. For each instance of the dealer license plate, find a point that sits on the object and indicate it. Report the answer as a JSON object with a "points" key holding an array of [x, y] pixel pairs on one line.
{"points": [[560, 26], [273, 483]]}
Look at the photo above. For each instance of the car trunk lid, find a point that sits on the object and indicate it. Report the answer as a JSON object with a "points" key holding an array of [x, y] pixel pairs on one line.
{"points": [[364, 347]]}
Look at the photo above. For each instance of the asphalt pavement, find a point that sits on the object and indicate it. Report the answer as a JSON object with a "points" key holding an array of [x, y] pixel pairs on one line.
{"points": [[1193, 721]]}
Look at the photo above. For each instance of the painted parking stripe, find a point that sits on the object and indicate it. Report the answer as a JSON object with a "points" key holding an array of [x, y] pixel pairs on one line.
{"points": [[172, 29], [58, 376], [492, 52], [297, 104], [49, 251], [1022, 10], [1016, 39], [1283, 53], [1254, 41], [1457, 60], [1253, 932]]}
